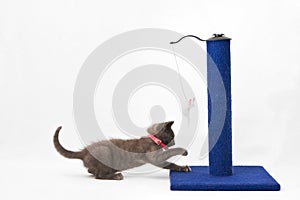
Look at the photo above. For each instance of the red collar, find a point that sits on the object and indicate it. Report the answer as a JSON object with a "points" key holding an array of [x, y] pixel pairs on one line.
{"points": [[158, 141]]}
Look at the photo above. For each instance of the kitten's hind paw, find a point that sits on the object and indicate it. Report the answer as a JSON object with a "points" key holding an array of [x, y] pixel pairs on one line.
{"points": [[118, 176]]}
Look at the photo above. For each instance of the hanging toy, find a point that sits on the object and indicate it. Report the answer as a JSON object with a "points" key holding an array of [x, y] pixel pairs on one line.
{"points": [[189, 102]]}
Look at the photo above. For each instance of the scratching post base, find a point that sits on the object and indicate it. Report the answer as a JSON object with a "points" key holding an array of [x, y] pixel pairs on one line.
{"points": [[244, 178]]}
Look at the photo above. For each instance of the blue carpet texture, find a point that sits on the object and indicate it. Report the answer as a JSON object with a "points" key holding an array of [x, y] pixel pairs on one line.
{"points": [[244, 178]]}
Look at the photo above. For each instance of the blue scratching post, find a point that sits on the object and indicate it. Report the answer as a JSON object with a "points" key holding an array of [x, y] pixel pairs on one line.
{"points": [[221, 175], [220, 145]]}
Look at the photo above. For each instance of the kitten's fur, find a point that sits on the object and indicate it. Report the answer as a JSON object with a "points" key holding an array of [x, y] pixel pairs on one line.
{"points": [[134, 153]]}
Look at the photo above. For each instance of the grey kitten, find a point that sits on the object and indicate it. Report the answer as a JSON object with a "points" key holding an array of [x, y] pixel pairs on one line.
{"points": [[106, 159]]}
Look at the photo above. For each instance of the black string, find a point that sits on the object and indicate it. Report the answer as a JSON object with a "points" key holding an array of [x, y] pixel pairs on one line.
{"points": [[187, 36]]}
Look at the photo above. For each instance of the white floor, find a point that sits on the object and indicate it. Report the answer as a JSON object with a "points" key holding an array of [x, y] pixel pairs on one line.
{"points": [[28, 178]]}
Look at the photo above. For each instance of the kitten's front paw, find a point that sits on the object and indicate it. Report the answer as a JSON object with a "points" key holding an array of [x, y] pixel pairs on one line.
{"points": [[185, 153], [185, 169], [188, 169]]}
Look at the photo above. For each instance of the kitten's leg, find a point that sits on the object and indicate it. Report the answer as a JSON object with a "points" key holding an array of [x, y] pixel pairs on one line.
{"points": [[159, 159], [107, 173], [161, 156], [174, 167]]}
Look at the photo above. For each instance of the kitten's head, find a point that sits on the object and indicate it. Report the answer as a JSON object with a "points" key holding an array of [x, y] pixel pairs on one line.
{"points": [[164, 132]]}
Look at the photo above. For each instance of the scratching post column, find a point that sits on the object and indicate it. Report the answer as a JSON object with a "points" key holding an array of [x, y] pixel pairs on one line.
{"points": [[220, 145]]}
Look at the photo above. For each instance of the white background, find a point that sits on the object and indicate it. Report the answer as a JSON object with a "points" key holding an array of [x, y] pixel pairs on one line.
{"points": [[43, 45]]}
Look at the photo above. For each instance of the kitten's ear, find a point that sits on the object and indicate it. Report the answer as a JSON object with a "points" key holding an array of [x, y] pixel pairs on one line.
{"points": [[169, 124]]}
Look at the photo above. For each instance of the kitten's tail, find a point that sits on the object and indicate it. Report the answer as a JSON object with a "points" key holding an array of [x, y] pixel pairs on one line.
{"points": [[64, 152]]}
